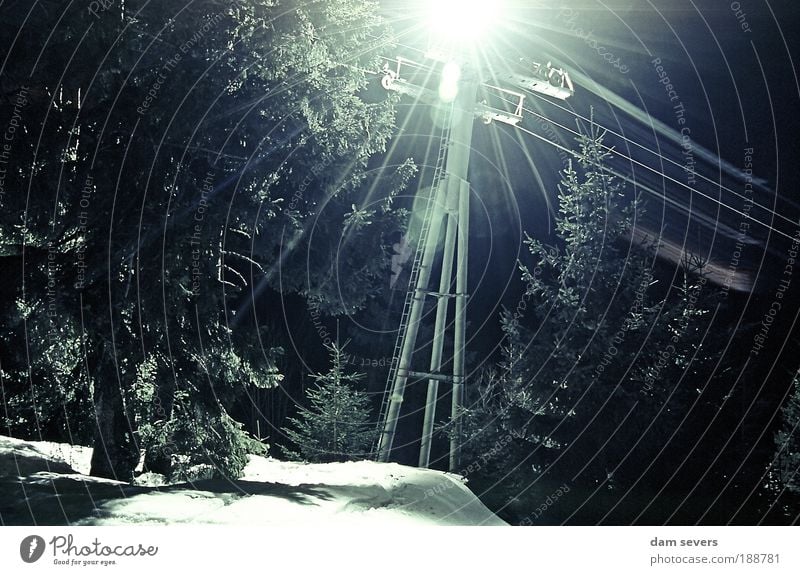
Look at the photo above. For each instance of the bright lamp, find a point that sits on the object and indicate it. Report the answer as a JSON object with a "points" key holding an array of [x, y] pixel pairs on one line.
{"points": [[462, 20]]}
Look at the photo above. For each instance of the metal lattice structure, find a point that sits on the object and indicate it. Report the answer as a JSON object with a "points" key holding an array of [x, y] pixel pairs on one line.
{"points": [[448, 208]]}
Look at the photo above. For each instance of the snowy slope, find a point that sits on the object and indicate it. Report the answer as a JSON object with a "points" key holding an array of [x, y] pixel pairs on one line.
{"points": [[38, 485]]}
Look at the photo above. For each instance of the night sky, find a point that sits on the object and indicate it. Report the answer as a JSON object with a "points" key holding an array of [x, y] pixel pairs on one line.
{"points": [[701, 103], [702, 91]]}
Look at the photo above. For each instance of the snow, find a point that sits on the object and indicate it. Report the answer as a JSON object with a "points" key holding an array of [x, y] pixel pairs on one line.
{"points": [[46, 483], [19, 457]]}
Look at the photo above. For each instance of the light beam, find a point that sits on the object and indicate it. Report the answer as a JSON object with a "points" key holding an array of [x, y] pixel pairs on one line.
{"points": [[464, 21]]}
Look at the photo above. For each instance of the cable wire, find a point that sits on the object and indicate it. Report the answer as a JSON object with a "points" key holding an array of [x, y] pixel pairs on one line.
{"points": [[655, 171], [669, 178], [662, 157]]}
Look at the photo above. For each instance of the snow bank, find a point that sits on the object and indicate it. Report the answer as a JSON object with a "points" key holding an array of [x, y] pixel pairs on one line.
{"points": [[37, 485], [19, 457]]}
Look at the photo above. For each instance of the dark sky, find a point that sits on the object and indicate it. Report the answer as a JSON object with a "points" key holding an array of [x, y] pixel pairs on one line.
{"points": [[734, 87]]}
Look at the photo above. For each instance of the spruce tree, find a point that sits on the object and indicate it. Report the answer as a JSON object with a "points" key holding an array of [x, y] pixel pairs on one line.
{"points": [[787, 441], [602, 355], [336, 424], [180, 161]]}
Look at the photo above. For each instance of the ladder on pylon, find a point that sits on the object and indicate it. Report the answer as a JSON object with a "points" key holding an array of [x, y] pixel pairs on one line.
{"points": [[469, 97], [414, 273]]}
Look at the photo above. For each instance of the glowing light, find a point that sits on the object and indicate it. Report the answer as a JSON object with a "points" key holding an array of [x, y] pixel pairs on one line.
{"points": [[462, 20], [448, 86]]}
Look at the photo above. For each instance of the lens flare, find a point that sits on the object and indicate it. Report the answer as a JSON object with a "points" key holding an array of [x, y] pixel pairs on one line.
{"points": [[448, 86], [462, 20]]}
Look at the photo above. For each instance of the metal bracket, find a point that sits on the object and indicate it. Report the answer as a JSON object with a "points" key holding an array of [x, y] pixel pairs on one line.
{"points": [[511, 112]]}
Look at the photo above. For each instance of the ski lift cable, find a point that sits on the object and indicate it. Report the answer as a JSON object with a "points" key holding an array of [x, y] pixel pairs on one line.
{"points": [[658, 155], [682, 184], [618, 153], [660, 194], [722, 204], [755, 204]]}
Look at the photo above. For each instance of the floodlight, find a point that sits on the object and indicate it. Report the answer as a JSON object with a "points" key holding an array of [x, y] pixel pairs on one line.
{"points": [[462, 20]]}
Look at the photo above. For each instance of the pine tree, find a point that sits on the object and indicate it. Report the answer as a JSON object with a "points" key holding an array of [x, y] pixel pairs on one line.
{"points": [[336, 425], [787, 441], [601, 350], [175, 158]]}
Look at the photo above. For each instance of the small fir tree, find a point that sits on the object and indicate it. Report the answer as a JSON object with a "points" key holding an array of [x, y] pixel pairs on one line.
{"points": [[787, 441], [336, 425]]}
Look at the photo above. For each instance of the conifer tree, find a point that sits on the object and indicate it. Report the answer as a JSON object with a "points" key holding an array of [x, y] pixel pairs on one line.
{"points": [[336, 424], [787, 441], [603, 349], [180, 162]]}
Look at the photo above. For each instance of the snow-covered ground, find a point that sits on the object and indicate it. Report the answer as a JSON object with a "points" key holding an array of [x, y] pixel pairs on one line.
{"points": [[47, 484]]}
